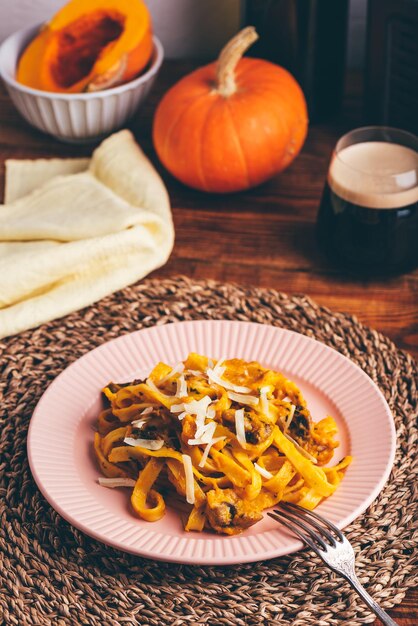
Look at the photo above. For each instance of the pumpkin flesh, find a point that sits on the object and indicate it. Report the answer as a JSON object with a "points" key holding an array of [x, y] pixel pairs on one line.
{"points": [[79, 45], [89, 44]]}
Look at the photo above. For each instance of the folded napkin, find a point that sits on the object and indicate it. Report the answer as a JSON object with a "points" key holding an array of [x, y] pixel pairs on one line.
{"points": [[74, 230]]}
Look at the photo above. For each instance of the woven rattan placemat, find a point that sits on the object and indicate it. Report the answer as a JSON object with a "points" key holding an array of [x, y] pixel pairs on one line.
{"points": [[53, 574]]}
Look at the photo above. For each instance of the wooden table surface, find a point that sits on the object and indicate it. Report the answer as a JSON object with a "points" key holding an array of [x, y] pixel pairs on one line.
{"points": [[262, 237]]}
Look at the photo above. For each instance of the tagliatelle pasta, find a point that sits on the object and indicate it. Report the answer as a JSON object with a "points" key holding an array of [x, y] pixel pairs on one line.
{"points": [[230, 438]]}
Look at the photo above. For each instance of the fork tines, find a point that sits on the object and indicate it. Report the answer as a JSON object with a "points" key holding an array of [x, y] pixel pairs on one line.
{"points": [[317, 532]]}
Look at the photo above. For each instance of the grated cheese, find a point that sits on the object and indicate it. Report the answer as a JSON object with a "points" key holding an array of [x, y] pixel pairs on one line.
{"points": [[262, 471], [138, 423], [188, 474], [243, 399], [154, 387], [210, 413], [177, 408], [141, 422], [195, 373], [198, 408], [207, 450], [181, 391], [202, 429], [240, 427], [199, 421], [116, 482], [177, 369], [288, 419], [264, 403], [148, 444], [220, 364], [215, 375], [301, 450], [204, 434]]}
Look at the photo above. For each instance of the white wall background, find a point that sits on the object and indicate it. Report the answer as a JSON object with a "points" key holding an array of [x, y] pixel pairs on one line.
{"points": [[186, 27]]}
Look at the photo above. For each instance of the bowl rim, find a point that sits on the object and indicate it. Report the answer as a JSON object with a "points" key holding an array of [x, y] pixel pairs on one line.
{"points": [[158, 53]]}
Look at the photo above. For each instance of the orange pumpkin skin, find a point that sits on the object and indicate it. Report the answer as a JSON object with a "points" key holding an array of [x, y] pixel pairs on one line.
{"points": [[220, 143], [88, 45]]}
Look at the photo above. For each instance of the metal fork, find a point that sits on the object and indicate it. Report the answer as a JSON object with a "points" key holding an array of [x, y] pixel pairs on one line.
{"points": [[330, 544]]}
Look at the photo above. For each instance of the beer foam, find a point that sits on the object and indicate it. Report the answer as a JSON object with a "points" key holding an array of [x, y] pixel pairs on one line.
{"points": [[375, 174]]}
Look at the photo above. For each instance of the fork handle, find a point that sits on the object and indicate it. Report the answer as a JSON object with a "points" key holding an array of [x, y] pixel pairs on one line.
{"points": [[377, 610]]}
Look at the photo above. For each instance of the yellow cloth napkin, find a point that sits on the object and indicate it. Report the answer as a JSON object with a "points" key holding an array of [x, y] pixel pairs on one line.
{"points": [[74, 230]]}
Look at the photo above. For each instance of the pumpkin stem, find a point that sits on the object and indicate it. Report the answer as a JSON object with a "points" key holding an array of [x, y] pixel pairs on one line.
{"points": [[230, 54]]}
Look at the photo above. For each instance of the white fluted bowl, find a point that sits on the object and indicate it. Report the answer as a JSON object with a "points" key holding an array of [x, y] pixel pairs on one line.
{"points": [[75, 117]]}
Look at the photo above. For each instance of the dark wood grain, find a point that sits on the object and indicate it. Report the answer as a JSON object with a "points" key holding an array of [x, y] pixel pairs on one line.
{"points": [[262, 237]]}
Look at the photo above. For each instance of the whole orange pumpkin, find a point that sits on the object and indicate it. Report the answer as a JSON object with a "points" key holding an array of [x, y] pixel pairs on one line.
{"points": [[232, 124]]}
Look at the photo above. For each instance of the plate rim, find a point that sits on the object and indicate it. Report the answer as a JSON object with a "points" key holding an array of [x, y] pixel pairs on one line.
{"points": [[292, 546]]}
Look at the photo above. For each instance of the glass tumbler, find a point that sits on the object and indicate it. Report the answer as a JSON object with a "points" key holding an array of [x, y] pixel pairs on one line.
{"points": [[368, 217]]}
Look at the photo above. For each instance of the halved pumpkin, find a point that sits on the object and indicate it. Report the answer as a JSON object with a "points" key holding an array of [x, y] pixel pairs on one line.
{"points": [[88, 45]]}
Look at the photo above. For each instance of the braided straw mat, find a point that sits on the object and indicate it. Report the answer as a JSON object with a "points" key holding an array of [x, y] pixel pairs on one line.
{"points": [[53, 574]]}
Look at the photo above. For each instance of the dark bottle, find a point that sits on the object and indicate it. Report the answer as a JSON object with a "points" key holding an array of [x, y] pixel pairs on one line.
{"points": [[308, 38], [368, 217], [391, 85]]}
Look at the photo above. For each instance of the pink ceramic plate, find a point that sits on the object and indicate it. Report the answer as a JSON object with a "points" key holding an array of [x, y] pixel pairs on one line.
{"points": [[61, 434]]}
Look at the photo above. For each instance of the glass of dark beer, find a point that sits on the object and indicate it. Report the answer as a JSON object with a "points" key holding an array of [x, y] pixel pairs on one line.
{"points": [[368, 217]]}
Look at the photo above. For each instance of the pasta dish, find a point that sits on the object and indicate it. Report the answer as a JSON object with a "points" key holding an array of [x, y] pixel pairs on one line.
{"points": [[229, 438]]}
